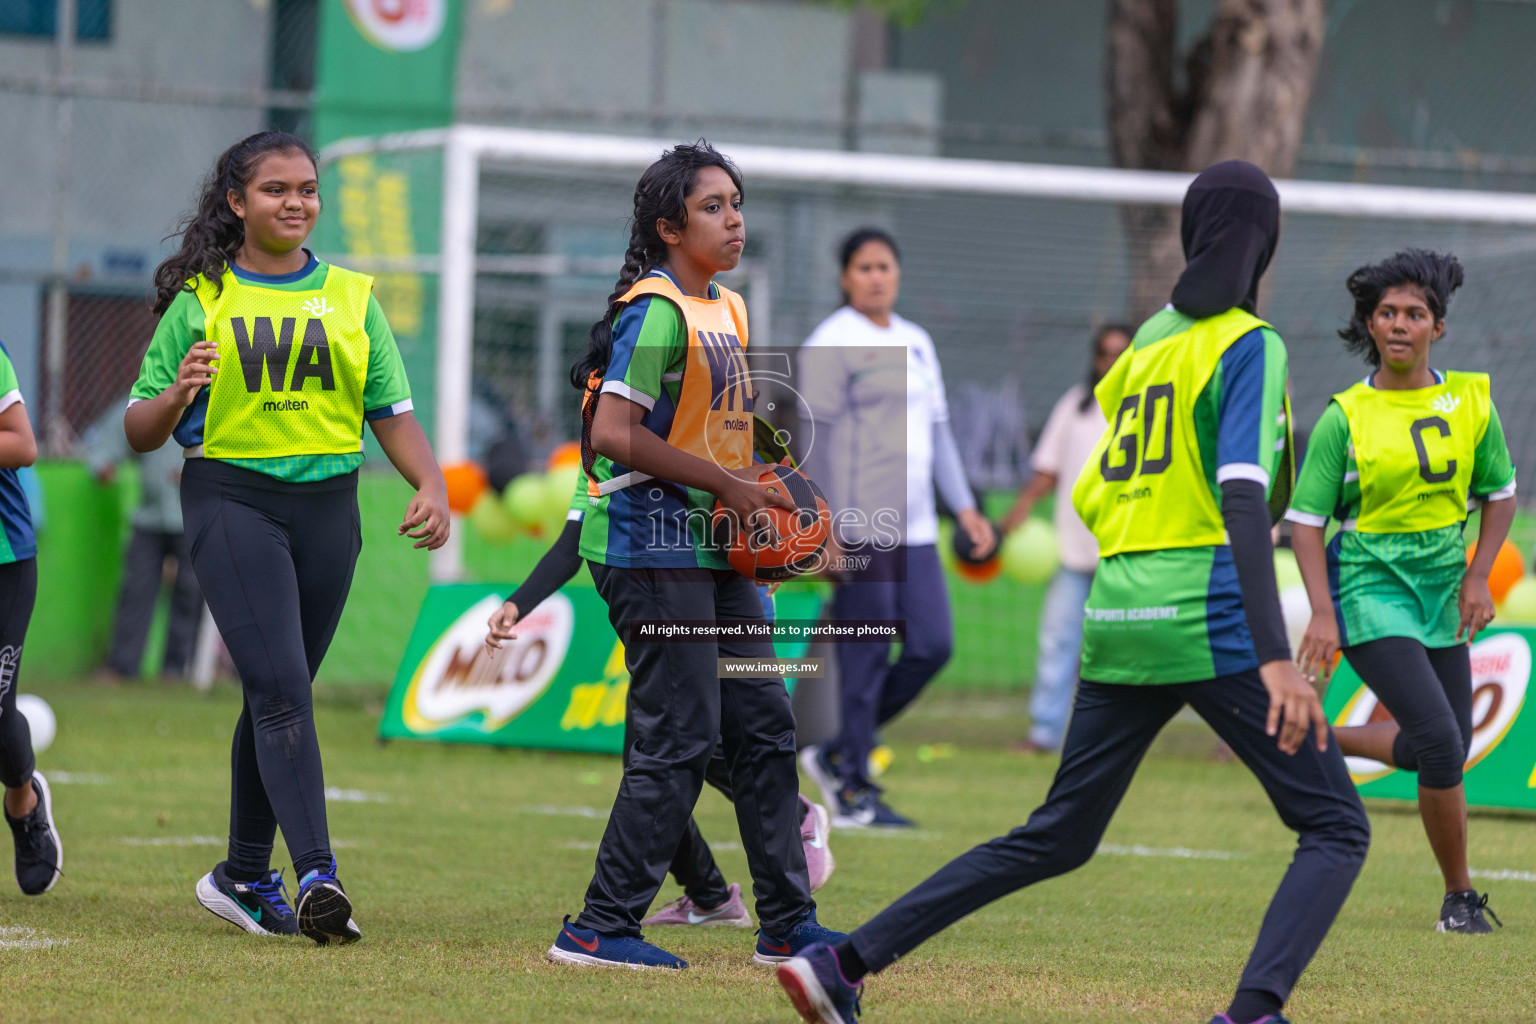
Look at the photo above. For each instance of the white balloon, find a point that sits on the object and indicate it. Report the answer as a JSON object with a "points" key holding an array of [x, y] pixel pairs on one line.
{"points": [[1296, 608], [39, 718]]}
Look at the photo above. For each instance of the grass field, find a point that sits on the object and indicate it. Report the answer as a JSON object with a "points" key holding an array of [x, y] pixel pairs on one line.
{"points": [[462, 861]]}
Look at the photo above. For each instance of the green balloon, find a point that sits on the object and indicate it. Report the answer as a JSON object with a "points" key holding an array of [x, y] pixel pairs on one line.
{"points": [[1520, 603], [490, 519], [558, 488], [1029, 553], [1287, 573], [524, 500]]}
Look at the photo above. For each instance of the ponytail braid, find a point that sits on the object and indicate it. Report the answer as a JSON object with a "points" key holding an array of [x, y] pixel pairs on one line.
{"points": [[637, 263]]}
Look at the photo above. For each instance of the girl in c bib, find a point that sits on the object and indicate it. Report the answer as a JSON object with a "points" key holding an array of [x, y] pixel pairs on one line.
{"points": [[1398, 460]]}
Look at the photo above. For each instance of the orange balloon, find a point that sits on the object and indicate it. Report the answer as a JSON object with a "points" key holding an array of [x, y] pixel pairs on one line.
{"points": [[566, 456], [983, 573], [1508, 567], [466, 482]]}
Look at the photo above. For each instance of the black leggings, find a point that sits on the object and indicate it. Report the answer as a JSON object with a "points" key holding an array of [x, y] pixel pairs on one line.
{"points": [[275, 562], [1429, 692], [18, 592]]}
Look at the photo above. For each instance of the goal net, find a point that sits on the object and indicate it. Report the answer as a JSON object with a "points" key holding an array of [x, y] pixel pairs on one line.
{"points": [[1010, 267]]}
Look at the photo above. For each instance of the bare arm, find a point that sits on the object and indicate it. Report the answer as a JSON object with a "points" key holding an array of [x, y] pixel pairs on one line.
{"points": [[1476, 601], [426, 517], [150, 422], [17, 445], [1038, 487], [1321, 642], [617, 434]]}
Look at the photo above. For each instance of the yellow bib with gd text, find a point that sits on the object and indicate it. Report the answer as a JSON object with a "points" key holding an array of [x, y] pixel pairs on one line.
{"points": [[1146, 486]]}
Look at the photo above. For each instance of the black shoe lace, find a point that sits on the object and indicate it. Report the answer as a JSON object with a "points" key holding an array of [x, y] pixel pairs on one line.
{"points": [[34, 828], [36, 832], [1482, 904]]}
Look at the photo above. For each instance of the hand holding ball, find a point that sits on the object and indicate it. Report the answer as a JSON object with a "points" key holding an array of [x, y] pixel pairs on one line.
{"points": [[777, 544]]}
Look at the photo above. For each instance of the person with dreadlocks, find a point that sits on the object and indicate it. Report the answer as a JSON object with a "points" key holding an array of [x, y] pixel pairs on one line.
{"points": [[264, 366], [666, 432], [1180, 492], [1395, 459]]}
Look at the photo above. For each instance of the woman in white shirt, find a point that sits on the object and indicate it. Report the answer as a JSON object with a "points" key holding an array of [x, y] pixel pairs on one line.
{"points": [[1074, 427], [864, 372]]}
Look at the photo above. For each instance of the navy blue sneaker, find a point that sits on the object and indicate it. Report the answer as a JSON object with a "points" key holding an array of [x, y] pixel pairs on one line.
{"points": [[586, 948], [816, 986], [885, 817], [1268, 1018], [772, 951], [325, 912], [260, 908]]}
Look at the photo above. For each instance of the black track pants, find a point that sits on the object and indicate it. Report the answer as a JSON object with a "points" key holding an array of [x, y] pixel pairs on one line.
{"points": [[1112, 727], [679, 707]]}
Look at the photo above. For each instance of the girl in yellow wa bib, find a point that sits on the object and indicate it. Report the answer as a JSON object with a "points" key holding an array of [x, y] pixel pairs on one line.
{"points": [[264, 366]]}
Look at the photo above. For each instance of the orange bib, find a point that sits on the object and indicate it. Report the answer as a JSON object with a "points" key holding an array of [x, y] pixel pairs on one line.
{"points": [[714, 408]]}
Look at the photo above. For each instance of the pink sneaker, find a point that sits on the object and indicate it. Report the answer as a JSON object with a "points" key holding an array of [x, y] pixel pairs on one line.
{"points": [[814, 831], [684, 911]]}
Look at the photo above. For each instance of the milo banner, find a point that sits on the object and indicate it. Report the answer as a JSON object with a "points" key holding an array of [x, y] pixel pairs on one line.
{"points": [[561, 685], [1501, 766]]}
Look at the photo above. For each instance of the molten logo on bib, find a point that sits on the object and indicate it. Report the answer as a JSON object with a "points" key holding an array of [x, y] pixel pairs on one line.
{"points": [[461, 676], [1501, 673]]}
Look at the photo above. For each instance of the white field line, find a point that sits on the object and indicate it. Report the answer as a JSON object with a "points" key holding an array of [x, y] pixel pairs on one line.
{"points": [[78, 778], [1504, 876], [17, 937], [338, 844], [1180, 852], [355, 796], [566, 812], [590, 845]]}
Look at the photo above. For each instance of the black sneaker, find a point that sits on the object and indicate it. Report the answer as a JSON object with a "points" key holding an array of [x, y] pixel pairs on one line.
{"points": [[325, 912], [1463, 912], [260, 908], [39, 850]]}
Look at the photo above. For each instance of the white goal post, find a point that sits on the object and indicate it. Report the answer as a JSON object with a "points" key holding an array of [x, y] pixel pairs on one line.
{"points": [[466, 148]]}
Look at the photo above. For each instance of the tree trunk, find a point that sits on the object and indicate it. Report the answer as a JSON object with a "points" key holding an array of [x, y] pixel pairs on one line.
{"points": [[1244, 96]]}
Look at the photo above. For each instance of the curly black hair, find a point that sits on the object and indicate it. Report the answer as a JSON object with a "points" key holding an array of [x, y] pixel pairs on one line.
{"points": [[1437, 276]]}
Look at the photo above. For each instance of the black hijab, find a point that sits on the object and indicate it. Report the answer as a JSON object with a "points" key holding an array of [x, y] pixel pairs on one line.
{"points": [[1230, 227]]}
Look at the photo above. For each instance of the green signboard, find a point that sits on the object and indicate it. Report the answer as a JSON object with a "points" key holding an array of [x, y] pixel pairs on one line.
{"points": [[561, 685], [387, 66], [1501, 766], [384, 66]]}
